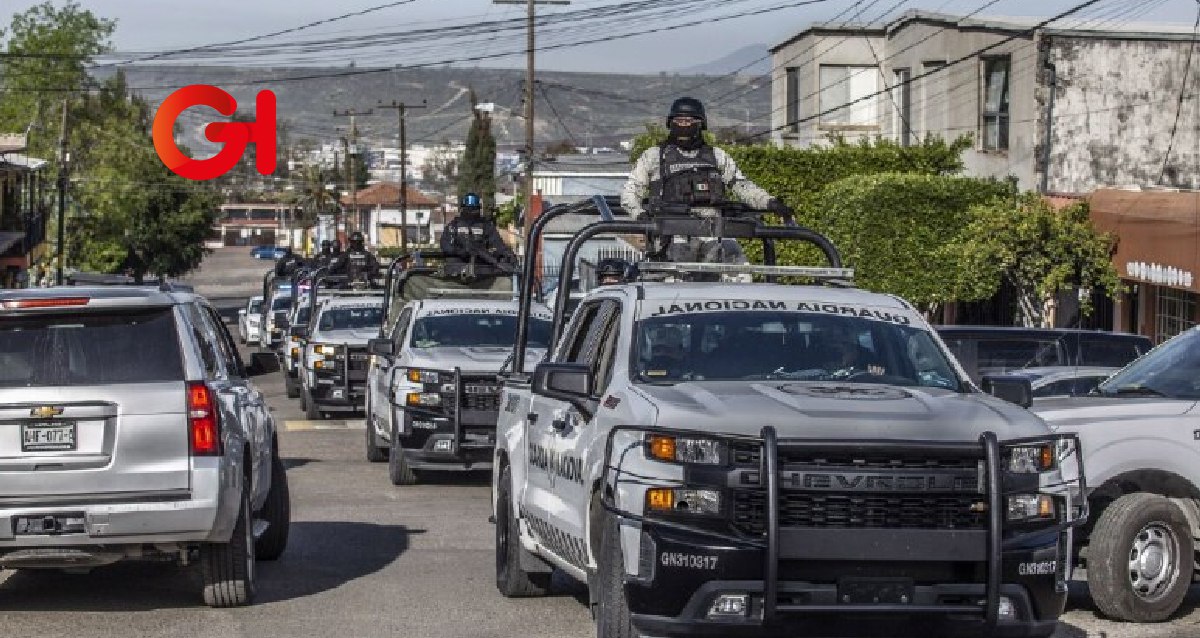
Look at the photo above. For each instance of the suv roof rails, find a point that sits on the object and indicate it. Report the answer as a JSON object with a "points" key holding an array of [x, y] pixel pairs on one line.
{"points": [[113, 279]]}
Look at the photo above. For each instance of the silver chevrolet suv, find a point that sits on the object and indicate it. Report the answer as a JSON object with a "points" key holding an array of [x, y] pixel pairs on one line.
{"points": [[129, 429]]}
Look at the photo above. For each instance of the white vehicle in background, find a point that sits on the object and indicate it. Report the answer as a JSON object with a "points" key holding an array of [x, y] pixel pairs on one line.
{"points": [[1063, 381], [250, 321], [433, 396]]}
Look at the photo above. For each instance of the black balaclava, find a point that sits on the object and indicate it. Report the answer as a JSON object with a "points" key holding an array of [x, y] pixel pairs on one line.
{"points": [[688, 138]]}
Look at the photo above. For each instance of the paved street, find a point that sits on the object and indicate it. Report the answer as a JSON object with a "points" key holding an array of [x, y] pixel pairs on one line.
{"points": [[365, 559]]}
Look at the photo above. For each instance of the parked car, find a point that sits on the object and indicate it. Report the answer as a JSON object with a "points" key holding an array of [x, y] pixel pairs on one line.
{"points": [[1064, 381], [130, 429], [268, 252], [250, 320], [1140, 436], [988, 350]]}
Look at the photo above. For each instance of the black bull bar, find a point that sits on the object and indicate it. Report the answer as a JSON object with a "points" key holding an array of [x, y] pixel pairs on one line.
{"points": [[992, 486]]}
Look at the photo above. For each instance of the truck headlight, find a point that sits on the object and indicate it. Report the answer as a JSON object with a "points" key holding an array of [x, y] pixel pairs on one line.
{"points": [[685, 449], [325, 350], [1031, 459], [423, 376], [423, 399], [1030, 507], [686, 501]]}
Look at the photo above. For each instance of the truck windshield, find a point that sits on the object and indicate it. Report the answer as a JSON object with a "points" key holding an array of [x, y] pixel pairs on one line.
{"points": [[801, 346], [281, 303], [351, 318], [255, 306], [1170, 370], [475, 330]]}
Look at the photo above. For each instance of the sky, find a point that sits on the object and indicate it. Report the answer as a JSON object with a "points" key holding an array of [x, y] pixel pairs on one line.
{"points": [[147, 26]]}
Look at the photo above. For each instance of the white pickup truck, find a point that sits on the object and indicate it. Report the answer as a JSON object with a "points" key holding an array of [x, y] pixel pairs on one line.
{"points": [[432, 392], [1140, 434]]}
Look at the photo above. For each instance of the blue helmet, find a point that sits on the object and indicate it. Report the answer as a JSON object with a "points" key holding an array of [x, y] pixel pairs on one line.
{"points": [[471, 200]]}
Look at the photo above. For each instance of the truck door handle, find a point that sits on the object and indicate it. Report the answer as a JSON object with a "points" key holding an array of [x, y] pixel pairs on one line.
{"points": [[559, 424]]}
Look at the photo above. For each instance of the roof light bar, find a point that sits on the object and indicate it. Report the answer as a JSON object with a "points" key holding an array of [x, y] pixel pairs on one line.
{"points": [[811, 272], [47, 302]]}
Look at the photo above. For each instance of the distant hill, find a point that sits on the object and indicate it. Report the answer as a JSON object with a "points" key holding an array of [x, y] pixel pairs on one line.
{"points": [[587, 108], [752, 59]]}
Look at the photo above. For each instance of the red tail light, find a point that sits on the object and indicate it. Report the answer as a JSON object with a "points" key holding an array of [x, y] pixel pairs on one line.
{"points": [[203, 419], [47, 302]]}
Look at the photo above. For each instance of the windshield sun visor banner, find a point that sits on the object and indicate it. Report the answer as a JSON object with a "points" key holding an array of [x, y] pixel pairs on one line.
{"points": [[677, 307]]}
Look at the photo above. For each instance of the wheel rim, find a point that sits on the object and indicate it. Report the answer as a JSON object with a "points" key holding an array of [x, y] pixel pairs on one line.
{"points": [[1152, 558]]}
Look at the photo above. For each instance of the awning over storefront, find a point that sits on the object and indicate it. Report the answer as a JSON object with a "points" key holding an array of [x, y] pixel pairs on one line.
{"points": [[1158, 234]]}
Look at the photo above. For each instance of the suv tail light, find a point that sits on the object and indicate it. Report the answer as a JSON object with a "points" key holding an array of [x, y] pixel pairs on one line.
{"points": [[204, 423]]}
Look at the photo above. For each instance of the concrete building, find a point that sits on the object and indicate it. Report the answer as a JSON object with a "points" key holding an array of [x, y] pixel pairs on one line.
{"points": [[1105, 99], [257, 224], [568, 178], [379, 206]]}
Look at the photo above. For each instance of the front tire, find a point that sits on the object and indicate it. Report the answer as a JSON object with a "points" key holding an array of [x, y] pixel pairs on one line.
{"points": [[277, 512], [291, 386], [375, 452], [511, 580], [1139, 563], [398, 470], [613, 618], [312, 411], [228, 568]]}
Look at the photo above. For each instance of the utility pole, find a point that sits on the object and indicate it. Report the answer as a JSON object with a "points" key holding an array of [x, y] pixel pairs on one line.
{"points": [[351, 150], [63, 159], [401, 111], [527, 186]]}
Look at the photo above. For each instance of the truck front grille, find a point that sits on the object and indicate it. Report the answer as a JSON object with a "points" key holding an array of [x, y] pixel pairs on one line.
{"points": [[906, 511], [843, 487], [481, 394]]}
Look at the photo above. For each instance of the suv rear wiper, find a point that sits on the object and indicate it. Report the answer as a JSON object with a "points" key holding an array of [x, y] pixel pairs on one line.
{"points": [[1128, 390]]}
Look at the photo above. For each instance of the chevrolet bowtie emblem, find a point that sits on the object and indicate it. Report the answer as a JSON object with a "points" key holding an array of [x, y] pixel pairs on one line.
{"points": [[45, 412]]}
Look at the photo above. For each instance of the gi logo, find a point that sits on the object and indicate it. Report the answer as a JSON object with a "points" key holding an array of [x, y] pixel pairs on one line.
{"points": [[45, 412], [235, 136]]}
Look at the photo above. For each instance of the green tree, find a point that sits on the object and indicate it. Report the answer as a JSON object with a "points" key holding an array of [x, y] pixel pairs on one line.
{"points": [[477, 172], [893, 229], [49, 49], [1040, 251], [136, 214]]}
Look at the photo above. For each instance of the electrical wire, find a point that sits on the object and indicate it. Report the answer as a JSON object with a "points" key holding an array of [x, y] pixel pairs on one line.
{"points": [[1187, 70]]}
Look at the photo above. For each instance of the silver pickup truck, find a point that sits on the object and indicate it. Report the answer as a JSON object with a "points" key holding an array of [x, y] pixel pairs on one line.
{"points": [[761, 459], [129, 428], [335, 358], [1140, 432]]}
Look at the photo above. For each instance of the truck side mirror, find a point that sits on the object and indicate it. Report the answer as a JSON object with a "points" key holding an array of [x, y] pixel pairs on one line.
{"points": [[262, 363], [570, 382], [1018, 390], [381, 347]]}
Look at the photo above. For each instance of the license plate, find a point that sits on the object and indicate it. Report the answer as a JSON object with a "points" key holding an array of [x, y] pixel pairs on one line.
{"points": [[875, 591], [482, 389], [48, 437], [358, 357]]}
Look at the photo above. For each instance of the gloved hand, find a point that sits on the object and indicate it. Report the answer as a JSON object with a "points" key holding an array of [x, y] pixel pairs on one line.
{"points": [[778, 207]]}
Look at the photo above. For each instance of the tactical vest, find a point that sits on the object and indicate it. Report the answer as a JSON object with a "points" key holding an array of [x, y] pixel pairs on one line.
{"points": [[357, 262], [694, 181]]}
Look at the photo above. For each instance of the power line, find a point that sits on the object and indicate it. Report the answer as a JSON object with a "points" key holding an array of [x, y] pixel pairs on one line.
{"points": [[1187, 69], [955, 62]]}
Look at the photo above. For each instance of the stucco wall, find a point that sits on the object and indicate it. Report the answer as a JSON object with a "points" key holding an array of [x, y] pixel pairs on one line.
{"points": [[1114, 110]]}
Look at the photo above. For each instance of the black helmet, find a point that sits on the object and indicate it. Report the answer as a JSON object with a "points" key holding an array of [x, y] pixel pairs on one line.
{"points": [[325, 243], [357, 240], [688, 106], [471, 201]]}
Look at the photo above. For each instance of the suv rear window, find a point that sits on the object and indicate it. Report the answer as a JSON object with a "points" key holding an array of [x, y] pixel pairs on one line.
{"points": [[89, 349]]}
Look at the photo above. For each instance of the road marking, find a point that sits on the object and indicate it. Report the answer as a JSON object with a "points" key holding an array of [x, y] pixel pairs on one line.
{"points": [[328, 424]]}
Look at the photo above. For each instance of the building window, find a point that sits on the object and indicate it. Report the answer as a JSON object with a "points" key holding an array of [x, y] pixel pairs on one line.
{"points": [[995, 104], [902, 104], [1176, 313], [793, 100], [842, 88], [933, 98]]}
